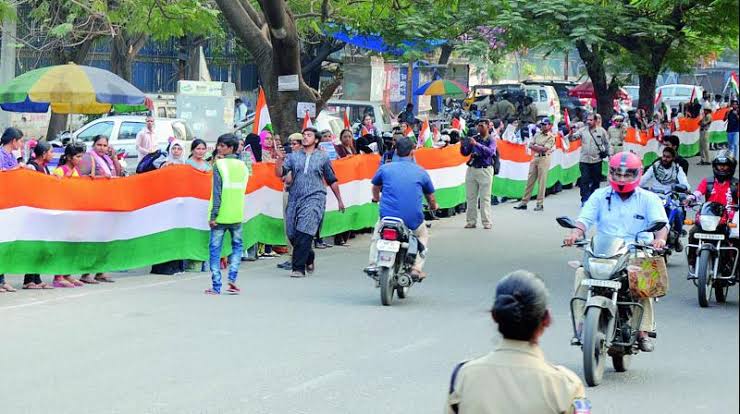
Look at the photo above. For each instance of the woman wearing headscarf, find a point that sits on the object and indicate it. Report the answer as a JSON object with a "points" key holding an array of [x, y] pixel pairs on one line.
{"points": [[516, 377], [268, 146]]}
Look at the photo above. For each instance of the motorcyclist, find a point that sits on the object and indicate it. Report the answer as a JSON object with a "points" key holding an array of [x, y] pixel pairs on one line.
{"points": [[403, 184], [660, 177], [621, 210], [721, 188]]}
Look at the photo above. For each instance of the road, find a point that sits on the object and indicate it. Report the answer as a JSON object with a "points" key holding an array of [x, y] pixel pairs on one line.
{"points": [[323, 344]]}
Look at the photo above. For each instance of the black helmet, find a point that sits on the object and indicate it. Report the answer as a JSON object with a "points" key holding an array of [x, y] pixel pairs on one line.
{"points": [[724, 158]]}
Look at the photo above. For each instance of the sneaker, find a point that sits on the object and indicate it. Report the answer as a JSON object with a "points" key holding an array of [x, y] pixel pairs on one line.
{"points": [[520, 207], [211, 292], [233, 288], [539, 208], [494, 201], [645, 343], [297, 274], [322, 245], [470, 226], [285, 265]]}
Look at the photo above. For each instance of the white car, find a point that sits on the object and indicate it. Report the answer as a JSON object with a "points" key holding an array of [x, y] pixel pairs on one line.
{"points": [[121, 131], [358, 109], [676, 94]]}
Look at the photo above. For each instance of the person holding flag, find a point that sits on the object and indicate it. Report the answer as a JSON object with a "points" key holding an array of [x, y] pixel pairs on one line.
{"points": [[262, 115], [426, 140]]}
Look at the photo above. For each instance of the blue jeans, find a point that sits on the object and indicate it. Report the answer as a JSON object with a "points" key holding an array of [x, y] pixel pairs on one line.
{"points": [[217, 240], [732, 138]]}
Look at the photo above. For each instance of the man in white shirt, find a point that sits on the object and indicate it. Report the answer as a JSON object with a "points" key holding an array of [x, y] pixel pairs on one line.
{"points": [[146, 141]]}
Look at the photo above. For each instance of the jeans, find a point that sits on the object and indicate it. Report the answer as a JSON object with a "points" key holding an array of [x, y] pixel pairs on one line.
{"points": [[217, 240], [590, 179], [732, 138]]}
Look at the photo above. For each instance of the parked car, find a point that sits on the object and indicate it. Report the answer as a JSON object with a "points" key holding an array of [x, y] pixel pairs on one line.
{"points": [[562, 87], [634, 93], [677, 94], [121, 131], [544, 96], [358, 109]]}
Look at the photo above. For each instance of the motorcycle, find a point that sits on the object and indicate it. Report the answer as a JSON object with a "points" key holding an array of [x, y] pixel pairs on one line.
{"points": [[609, 306], [673, 201], [397, 250], [717, 253]]}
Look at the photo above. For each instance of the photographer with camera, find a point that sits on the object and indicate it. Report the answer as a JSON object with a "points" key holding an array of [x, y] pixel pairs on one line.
{"points": [[595, 148], [479, 178]]}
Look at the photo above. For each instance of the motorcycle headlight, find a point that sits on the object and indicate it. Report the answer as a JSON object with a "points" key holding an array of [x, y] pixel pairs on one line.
{"points": [[601, 268], [709, 223]]}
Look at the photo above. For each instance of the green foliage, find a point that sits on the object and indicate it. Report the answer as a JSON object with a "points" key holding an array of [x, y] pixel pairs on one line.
{"points": [[166, 19]]}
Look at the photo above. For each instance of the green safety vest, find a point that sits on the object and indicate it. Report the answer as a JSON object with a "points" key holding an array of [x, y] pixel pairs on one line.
{"points": [[234, 177]]}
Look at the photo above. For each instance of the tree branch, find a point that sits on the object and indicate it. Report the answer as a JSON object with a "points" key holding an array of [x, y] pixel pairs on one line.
{"points": [[328, 91], [252, 37], [324, 51]]}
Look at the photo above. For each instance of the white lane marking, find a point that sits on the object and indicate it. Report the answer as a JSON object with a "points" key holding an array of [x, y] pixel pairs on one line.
{"points": [[94, 292], [414, 346], [318, 381]]}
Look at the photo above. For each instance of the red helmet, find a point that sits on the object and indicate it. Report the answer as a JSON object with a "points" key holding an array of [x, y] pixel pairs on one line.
{"points": [[625, 171]]}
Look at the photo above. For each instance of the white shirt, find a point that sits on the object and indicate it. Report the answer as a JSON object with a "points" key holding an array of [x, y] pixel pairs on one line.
{"points": [[649, 181], [615, 217]]}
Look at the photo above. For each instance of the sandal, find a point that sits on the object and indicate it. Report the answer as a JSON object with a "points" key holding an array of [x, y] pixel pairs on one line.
{"points": [[32, 286], [211, 292], [233, 288], [8, 288], [73, 281], [62, 283], [2, 289], [310, 268], [103, 278], [45, 286], [87, 279]]}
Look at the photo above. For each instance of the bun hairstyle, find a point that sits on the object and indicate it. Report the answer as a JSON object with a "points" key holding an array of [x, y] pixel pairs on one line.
{"points": [[520, 305]]}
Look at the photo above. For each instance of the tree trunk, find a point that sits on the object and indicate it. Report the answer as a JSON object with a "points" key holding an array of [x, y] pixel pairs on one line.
{"points": [[121, 62], [647, 92], [594, 61]]}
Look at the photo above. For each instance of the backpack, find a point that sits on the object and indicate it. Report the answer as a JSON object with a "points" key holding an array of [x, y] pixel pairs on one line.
{"points": [[147, 163]]}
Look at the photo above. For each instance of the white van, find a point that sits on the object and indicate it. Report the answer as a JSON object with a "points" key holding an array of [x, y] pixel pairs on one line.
{"points": [[546, 99]]}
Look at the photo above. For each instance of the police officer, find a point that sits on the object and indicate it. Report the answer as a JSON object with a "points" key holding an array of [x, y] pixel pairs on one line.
{"points": [[516, 378], [505, 109], [529, 111], [541, 145]]}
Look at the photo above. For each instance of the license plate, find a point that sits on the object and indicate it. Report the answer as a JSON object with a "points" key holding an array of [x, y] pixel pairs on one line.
{"points": [[707, 236], [388, 245], [602, 283], [386, 259]]}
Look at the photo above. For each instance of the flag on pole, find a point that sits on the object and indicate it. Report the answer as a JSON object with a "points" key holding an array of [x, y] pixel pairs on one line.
{"points": [[307, 121], [552, 111], [658, 98], [566, 118], [460, 126], [425, 136], [262, 115], [347, 123], [734, 82], [693, 99]]}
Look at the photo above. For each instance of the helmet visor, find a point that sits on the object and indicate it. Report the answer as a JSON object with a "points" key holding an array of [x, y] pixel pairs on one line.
{"points": [[624, 174]]}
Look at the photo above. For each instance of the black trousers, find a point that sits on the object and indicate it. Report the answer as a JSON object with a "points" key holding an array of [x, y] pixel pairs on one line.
{"points": [[590, 179], [303, 253], [32, 278]]}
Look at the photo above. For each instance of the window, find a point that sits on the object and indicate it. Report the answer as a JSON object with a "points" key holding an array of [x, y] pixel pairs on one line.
{"points": [[532, 93], [129, 130], [101, 128], [683, 91], [543, 95], [669, 91]]}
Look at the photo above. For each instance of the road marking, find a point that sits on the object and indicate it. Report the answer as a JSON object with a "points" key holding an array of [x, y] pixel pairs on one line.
{"points": [[414, 346], [94, 292], [318, 381]]}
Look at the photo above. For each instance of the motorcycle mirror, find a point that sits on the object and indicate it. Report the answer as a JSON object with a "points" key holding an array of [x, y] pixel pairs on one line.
{"points": [[680, 188], [566, 222], [654, 226]]}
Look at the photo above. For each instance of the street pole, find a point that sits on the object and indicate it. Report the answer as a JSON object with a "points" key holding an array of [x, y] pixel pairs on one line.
{"points": [[7, 59], [566, 65], [410, 83]]}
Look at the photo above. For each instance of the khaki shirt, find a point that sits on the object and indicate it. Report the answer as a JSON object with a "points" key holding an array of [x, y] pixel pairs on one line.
{"points": [[592, 141], [515, 378], [545, 140], [505, 110], [616, 135], [529, 114]]}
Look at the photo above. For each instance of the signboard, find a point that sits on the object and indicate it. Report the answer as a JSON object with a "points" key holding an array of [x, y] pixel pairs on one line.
{"points": [[200, 88], [287, 83], [328, 147], [303, 107]]}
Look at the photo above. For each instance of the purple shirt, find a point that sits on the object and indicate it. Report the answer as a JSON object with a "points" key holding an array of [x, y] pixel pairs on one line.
{"points": [[7, 160], [482, 152]]}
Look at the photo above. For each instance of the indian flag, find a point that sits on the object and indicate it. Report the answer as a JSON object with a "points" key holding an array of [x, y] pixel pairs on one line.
{"points": [[347, 123], [717, 132], [262, 115], [734, 82], [425, 136], [307, 122], [460, 126], [409, 133]]}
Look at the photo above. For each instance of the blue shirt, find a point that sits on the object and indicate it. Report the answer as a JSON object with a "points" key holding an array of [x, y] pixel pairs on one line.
{"points": [[611, 215], [404, 185]]}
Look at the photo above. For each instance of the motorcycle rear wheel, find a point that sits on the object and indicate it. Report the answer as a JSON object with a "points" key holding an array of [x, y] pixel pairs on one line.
{"points": [[704, 279], [593, 347], [386, 286], [621, 362], [402, 292], [721, 290]]}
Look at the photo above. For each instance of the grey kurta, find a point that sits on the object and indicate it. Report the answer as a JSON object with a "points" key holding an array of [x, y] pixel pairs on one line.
{"points": [[307, 193]]}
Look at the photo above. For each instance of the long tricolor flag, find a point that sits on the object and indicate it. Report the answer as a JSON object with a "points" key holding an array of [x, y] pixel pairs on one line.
{"points": [[307, 121], [347, 123], [658, 98], [262, 115], [733, 80]]}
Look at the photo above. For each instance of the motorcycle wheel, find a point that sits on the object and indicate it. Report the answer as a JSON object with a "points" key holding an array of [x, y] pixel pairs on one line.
{"points": [[402, 292], [621, 362], [593, 347], [386, 286], [704, 279], [721, 290]]}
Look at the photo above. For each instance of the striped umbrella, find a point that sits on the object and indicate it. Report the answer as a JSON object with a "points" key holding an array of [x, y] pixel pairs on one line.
{"points": [[68, 89], [441, 87]]}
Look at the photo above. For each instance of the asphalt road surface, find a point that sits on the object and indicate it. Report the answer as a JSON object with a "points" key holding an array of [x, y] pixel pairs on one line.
{"points": [[323, 344]]}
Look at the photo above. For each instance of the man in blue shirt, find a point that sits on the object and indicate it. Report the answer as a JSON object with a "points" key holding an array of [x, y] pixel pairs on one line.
{"points": [[404, 185]]}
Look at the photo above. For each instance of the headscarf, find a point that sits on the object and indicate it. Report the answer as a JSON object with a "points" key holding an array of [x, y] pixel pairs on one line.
{"points": [[171, 158], [101, 162], [263, 139]]}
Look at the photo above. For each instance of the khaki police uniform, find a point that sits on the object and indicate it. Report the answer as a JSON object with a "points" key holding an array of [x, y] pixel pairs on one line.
{"points": [[538, 168], [529, 114], [616, 137], [505, 110], [514, 378]]}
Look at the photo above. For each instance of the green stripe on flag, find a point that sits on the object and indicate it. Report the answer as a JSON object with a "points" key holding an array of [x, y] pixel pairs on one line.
{"points": [[718, 137], [688, 150], [507, 187]]}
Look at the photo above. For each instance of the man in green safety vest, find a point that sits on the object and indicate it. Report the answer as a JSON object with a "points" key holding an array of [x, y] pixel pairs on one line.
{"points": [[226, 210]]}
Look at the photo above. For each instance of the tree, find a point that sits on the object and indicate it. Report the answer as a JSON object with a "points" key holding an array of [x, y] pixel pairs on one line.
{"points": [[661, 34]]}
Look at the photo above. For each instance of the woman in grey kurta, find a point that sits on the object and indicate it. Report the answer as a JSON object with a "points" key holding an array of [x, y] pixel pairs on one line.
{"points": [[310, 171]]}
